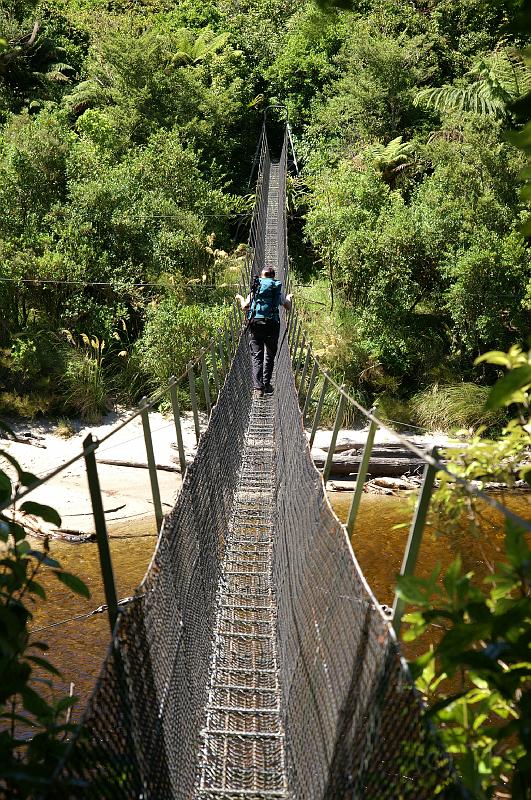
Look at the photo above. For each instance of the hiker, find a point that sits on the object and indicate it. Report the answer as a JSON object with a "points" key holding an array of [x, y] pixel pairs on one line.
{"points": [[263, 303]]}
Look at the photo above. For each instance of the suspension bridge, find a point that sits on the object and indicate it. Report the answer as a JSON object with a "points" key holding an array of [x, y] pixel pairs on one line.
{"points": [[254, 661]]}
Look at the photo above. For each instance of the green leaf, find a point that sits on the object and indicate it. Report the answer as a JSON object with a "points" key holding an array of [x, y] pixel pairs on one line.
{"points": [[25, 478], [36, 588], [44, 559], [452, 576], [46, 513], [5, 488], [73, 582], [34, 703], [411, 589], [503, 393], [494, 357], [515, 545]]}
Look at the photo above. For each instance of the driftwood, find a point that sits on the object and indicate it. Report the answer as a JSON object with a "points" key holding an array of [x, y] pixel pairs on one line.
{"points": [[378, 467], [114, 462], [36, 527], [345, 446]]}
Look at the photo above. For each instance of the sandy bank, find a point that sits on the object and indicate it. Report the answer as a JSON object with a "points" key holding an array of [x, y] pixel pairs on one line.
{"points": [[126, 490]]}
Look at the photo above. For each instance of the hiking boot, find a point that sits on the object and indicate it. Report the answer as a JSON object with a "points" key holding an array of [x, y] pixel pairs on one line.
{"points": [[268, 389], [257, 394]]}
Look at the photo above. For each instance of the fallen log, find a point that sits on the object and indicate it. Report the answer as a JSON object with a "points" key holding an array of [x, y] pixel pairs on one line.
{"points": [[378, 467], [379, 452], [115, 462]]}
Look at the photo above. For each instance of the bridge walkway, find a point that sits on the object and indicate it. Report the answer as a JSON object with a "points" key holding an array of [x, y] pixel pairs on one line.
{"points": [[243, 753]]}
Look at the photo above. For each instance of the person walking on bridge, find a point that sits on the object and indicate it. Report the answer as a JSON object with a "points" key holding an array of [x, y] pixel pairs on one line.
{"points": [[263, 303]]}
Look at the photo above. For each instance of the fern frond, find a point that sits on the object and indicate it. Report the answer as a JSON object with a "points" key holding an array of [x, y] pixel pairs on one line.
{"points": [[475, 97], [87, 94]]}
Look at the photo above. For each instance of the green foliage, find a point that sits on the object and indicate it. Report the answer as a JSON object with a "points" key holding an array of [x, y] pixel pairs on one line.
{"points": [[484, 648], [476, 678], [115, 170], [432, 265], [503, 78], [27, 764], [173, 335]]}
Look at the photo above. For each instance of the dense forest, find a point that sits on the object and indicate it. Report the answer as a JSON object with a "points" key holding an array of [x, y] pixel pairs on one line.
{"points": [[128, 130]]}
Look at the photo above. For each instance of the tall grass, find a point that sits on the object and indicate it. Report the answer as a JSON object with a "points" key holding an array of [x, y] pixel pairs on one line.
{"points": [[460, 405], [85, 385]]}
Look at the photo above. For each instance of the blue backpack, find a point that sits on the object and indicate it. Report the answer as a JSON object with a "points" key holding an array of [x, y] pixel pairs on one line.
{"points": [[266, 300]]}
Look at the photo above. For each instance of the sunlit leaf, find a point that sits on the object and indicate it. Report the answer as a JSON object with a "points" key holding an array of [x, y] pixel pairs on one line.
{"points": [[504, 391]]}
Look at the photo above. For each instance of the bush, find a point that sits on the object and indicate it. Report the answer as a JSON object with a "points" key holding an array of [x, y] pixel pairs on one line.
{"points": [[86, 386], [458, 406], [173, 335]]}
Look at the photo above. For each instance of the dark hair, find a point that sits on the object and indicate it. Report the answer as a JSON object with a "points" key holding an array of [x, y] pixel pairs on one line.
{"points": [[268, 272]]}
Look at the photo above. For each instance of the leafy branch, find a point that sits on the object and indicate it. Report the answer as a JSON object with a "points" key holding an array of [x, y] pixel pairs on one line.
{"points": [[26, 763]]}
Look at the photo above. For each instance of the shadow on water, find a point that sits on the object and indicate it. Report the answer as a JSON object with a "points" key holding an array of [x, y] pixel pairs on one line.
{"points": [[77, 647]]}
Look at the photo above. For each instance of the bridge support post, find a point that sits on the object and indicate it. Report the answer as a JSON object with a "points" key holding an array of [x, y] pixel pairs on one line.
{"points": [[206, 386], [236, 313], [214, 362], [311, 384], [360, 479], [155, 493], [177, 421], [297, 356], [228, 343], [102, 537], [232, 331], [337, 426], [222, 352], [296, 345], [305, 368], [193, 400], [317, 417], [415, 536], [292, 324]]}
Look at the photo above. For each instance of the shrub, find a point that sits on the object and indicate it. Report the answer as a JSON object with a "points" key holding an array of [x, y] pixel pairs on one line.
{"points": [[85, 384], [173, 335], [455, 406]]}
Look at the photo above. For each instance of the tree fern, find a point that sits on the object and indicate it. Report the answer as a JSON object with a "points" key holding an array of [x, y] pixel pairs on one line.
{"points": [[503, 77], [194, 50], [87, 94], [391, 158]]}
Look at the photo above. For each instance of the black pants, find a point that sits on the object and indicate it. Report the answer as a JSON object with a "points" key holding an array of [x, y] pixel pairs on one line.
{"points": [[263, 343]]}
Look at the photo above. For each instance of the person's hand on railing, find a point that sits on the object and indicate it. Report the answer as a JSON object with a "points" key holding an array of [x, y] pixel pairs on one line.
{"points": [[242, 301]]}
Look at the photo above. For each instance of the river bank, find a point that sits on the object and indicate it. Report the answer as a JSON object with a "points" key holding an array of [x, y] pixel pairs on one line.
{"points": [[40, 449], [41, 446]]}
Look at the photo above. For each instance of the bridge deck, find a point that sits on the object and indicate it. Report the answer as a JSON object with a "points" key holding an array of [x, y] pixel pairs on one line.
{"points": [[243, 751]]}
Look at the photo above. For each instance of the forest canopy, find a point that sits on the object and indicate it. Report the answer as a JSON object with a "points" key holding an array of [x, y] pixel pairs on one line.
{"points": [[127, 136]]}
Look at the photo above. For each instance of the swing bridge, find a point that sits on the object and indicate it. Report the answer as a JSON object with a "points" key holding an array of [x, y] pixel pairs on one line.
{"points": [[254, 662]]}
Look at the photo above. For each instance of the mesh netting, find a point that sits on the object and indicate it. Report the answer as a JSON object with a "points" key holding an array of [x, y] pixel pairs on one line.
{"points": [[352, 720], [255, 661], [143, 722]]}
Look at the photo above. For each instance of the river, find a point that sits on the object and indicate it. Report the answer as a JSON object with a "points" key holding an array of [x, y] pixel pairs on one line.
{"points": [[78, 646]]}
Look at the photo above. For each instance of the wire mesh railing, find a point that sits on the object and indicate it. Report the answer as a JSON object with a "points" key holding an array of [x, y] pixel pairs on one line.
{"points": [[309, 373]]}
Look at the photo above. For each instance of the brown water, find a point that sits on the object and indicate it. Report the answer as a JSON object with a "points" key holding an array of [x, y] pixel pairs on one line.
{"points": [[77, 647], [379, 547]]}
